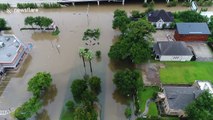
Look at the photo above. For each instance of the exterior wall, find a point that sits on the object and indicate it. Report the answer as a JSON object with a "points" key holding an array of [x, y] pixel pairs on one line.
{"points": [[190, 37], [160, 24], [175, 58]]}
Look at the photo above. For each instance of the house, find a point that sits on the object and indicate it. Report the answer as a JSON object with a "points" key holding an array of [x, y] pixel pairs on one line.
{"points": [[172, 51], [12, 53], [160, 18], [191, 32], [174, 99]]}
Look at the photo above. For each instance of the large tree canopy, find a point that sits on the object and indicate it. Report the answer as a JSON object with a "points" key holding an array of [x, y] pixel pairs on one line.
{"points": [[134, 43], [201, 108], [189, 16], [39, 82], [78, 87], [2, 23], [126, 81]]}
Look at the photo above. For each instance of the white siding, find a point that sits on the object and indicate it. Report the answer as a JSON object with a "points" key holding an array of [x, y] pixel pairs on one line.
{"points": [[175, 58]]}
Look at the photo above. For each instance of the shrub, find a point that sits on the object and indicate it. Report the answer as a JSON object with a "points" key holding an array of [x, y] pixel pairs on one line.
{"points": [[27, 5], [51, 5], [172, 3], [187, 4], [56, 32], [4, 7], [98, 54], [203, 9], [164, 26], [145, 5], [149, 9], [152, 3], [128, 112], [70, 105], [204, 3]]}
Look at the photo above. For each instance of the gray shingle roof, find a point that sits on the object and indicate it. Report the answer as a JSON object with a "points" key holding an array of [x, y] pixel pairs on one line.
{"points": [[171, 48], [193, 28], [179, 97], [160, 14]]}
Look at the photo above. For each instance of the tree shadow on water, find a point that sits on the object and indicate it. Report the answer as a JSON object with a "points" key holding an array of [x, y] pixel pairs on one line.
{"points": [[43, 115], [49, 95], [124, 100]]}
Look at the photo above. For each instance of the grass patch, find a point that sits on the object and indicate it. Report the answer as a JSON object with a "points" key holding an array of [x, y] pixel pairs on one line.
{"points": [[144, 94], [186, 72]]}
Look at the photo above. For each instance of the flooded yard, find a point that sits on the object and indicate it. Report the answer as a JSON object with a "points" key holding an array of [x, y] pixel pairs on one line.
{"points": [[64, 63]]}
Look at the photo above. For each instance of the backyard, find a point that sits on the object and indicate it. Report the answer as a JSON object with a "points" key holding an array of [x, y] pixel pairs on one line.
{"points": [[186, 72], [144, 94]]}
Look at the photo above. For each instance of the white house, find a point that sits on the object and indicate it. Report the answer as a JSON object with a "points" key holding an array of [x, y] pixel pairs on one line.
{"points": [[160, 18], [172, 51]]}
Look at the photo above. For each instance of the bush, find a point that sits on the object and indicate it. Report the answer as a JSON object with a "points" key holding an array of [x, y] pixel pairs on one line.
{"points": [[172, 25], [51, 5], [56, 32], [98, 54], [128, 112], [145, 5], [172, 3], [187, 4], [149, 9], [203, 9], [27, 5], [4, 7], [152, 3], [164, 26], [204, 3], [70, 105]]}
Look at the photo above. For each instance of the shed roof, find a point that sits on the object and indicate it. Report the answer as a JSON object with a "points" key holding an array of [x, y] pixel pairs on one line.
{"points": [[171, 48], [193, 28]]}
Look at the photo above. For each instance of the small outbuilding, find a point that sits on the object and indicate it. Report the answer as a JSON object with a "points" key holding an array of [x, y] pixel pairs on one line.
{"points": [[161, 18], [172, 51], [191, 32]]}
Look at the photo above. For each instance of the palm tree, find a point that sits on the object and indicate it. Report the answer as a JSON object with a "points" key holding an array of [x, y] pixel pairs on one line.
{"points": [[89, 56], [82, 53]]}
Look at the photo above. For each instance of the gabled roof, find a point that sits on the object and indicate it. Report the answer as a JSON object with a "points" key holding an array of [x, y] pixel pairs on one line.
{"points": [[179, 97], [160, 14], [171, 48], [193, 28]]}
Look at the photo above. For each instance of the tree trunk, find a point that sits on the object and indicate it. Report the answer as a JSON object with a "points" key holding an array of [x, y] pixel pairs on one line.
{"points": [[90, 63], [84, 65]]}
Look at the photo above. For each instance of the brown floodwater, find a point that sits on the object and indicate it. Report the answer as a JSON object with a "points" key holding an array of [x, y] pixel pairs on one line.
{"points": [[64, 63]]}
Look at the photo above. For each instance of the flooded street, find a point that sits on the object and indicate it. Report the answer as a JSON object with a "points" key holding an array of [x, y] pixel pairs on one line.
{"points": [[64, 63]]}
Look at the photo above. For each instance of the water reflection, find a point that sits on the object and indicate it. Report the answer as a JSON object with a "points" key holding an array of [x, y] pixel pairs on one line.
{"points": [[124, 100], [43, 115], [118, 65], [49, 95], [43, 36]]}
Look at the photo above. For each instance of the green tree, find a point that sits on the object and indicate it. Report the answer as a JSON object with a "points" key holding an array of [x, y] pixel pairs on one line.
{"points": [[2, 24], [77, 88], [43, 21], [126, 81], [95, 84], [39, 82], [82, 112], [201, 108], [88, 98], [89, 56], [93, 34], [128, 112], [121, 20], [82, 53], [210, 39], [134, 43], [189, 16], [70, 105], [29, 108], [29, 21]]}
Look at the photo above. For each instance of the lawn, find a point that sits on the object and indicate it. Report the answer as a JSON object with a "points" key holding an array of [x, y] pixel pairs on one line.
{"points": [[66, 115], [186, 72], [144, 94]]}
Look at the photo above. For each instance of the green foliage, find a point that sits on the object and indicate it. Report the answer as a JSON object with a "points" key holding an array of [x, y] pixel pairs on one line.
{"points": [[88, 97], [149, 9], [98, 54], [70, 105], [95, 84], [51, 5], [201, 108], [186, 3], [132, 44], [204, 3], [145, 4], [121, 20], [39, 21], [152, 3], [4, 7], [29, 108], [77, 88], [2, 24], [126, 81], [83, 112], [39, 82], [210, 25], [27, 5], [172, 3], [128, 112], [203, 9], [56, 32], [189, 16], [93, 34], [137, 14]]}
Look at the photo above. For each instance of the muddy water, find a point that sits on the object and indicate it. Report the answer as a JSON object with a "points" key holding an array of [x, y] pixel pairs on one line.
{"points": [[64, 63]]}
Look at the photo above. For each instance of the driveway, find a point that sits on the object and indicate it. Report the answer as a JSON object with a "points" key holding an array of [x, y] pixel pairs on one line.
{"points": [[201, 50], [163, 35]]}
